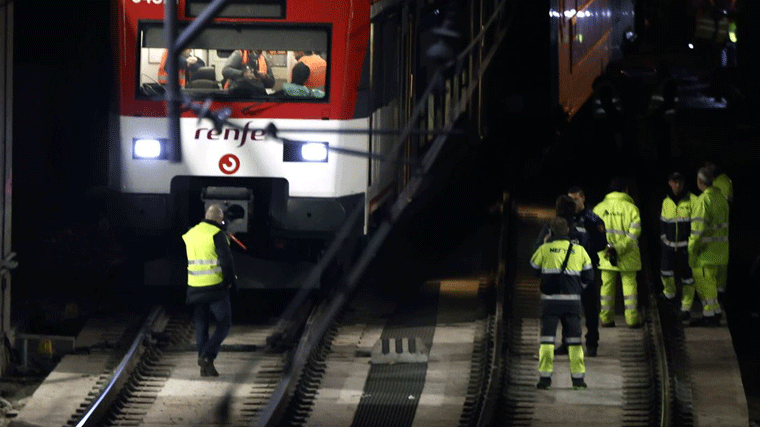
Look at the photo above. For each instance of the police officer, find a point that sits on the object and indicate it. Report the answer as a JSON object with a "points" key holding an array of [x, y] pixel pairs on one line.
{"points": [[675, 227], [622, 256], [565, 269], [210, 276], [708, 248], [587, 222]]}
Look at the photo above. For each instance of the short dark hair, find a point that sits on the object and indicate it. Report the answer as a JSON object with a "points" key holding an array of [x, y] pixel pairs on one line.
{"points": [[619, 183], [576, 190], [676, 177], [300, 73]]}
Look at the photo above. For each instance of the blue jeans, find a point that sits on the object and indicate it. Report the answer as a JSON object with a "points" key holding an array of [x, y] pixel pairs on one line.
{"points": [[222, 312]]}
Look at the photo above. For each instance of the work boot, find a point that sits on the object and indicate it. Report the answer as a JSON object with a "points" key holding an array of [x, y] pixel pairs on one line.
{"points": [[561, 350], [579, 384], [545, 383], [207, 367], [609, 325], [685, 316], [591, 350]]}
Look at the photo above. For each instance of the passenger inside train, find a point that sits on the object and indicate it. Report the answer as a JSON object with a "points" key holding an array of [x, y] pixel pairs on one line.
{"points": [[239, 73]]}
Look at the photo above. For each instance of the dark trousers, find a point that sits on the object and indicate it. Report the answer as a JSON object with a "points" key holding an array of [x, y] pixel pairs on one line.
{"points": [[567, 312], [208, 347], [590, 303]]}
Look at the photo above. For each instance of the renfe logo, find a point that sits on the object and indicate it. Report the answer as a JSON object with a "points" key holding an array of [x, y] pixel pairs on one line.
{"points": [[229, 164], [229, 134]]}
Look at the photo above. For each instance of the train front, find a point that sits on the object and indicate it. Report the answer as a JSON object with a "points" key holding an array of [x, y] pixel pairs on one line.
{"points": [[296, 68]]}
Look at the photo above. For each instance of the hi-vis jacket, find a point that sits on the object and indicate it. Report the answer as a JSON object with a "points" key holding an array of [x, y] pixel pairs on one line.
{"points": [[203, 264], [623, 224], [708, 242], [547, 261], [723, 183], [675, 220]]}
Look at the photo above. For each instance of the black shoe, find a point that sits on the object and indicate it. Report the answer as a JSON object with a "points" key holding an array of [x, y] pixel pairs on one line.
{"points": [[207, 367], [544, 383], [636, 325], [579, 384], [609, 325], [712, 321], [685, 316], [591, 351], [561, 350]]}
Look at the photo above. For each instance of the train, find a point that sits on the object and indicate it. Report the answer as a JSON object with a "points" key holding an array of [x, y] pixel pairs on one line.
{"points": [[335, 146]]}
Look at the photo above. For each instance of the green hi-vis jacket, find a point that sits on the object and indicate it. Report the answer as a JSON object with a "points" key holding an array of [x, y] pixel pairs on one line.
{"points": [[723, 183], [708, 242], [203, 266], [675, 220], [547, 261], [623, 223]]}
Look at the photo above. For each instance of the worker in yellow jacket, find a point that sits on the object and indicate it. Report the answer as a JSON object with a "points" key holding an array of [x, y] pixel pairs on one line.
{"points": [[708, 249], [622, 256]]}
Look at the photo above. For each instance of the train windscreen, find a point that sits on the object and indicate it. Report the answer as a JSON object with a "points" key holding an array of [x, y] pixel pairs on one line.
{"points": [[240, 62]]}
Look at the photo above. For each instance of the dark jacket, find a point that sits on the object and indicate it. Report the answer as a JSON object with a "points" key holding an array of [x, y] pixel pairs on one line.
{"points": [[207, 294], [235, 66], [589, 223]]}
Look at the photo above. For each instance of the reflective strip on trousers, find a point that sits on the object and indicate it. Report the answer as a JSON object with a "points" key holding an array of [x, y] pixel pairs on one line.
{"points": [[630, 302]]}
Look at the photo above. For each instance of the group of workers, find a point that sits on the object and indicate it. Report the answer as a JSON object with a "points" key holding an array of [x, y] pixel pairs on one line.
{"points": [[580, 244]]}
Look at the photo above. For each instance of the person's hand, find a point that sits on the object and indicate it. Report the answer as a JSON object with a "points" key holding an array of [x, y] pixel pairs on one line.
{"points": [[248, 74], [191, 60]]}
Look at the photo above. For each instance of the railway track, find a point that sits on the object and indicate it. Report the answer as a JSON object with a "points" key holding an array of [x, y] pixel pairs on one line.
{"points": [[460, 352]]}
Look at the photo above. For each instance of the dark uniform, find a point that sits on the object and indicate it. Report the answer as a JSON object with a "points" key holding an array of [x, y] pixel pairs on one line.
{"points": [[675, 228], [589, 223], [563, 277]]}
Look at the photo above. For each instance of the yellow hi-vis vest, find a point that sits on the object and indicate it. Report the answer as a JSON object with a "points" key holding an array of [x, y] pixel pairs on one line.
{"points": [[708, 242], [203, 268]]}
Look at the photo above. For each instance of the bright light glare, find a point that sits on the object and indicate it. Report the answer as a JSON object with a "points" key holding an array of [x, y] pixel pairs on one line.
{"points": [[691, 46], [314, 152], [147, 148]]}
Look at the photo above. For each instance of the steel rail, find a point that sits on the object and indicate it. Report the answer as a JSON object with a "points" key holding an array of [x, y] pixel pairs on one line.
{"points": [[499, 351], [92, 416]]}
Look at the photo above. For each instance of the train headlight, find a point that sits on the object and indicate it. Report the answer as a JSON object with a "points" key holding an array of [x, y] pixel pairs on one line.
{"points": [[296, 151], [144, 148], [314, 152]]}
